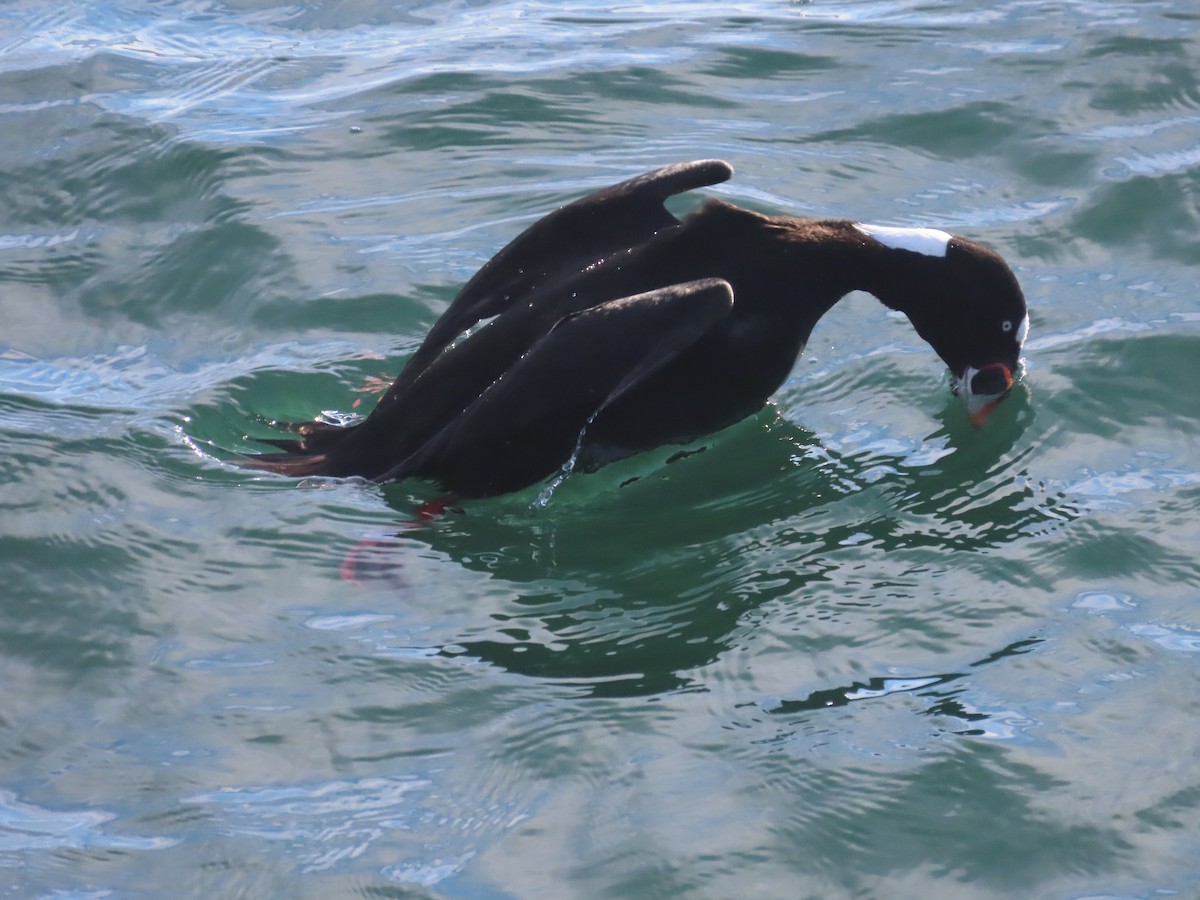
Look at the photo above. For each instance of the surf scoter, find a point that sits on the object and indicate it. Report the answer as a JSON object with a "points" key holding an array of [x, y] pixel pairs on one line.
{"points": [[616, 327]]}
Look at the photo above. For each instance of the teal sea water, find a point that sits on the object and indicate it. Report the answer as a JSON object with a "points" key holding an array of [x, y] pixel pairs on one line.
{"points": [[854, 648]]}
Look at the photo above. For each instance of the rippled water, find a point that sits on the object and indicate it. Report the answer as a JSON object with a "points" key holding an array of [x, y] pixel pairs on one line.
{"points": [[852, 648]]}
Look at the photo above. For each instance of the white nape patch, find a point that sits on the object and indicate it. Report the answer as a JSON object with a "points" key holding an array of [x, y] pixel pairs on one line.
{"points": [[926, 241], [1023, 330]]}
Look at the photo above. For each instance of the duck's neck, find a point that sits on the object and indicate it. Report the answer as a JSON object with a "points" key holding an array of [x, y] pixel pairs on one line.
{"points": [[798, 269], [898, 266]]}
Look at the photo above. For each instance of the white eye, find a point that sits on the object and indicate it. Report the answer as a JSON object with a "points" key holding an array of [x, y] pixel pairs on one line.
{"points": [[1006, 326]]}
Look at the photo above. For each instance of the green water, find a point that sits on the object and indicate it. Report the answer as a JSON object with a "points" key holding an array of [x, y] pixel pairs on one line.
{"points": [[852, 648]]}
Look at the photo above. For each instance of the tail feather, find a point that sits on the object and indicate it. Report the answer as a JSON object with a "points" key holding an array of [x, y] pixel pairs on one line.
{"points": [[329, 450], [314, 436], [290, 445], [296, 465]]}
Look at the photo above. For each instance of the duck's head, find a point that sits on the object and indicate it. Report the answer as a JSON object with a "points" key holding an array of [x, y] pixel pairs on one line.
{"points": [[965, 301]]}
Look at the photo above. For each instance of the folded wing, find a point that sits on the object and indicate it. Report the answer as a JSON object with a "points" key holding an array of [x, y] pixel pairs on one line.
{"points": [[529, 422], [573, 237]]}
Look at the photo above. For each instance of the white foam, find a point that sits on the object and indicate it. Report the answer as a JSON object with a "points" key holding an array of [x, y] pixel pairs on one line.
{"points": [[926, 241]]}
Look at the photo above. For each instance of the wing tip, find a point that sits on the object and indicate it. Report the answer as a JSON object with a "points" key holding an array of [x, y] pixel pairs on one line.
{"points": [[687, 176]]}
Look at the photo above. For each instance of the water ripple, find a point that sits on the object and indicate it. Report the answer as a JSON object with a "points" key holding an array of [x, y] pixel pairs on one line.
{"points": [[25, 827], [766, 663]]}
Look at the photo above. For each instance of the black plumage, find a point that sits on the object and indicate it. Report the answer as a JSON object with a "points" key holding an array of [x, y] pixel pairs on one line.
{"points": [[616, 328]]}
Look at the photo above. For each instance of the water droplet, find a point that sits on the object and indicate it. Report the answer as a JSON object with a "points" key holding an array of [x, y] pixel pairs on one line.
{"points": [[543, 498]]}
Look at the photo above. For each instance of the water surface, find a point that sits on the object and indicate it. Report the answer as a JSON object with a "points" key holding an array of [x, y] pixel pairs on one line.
{"points": [[853, 648]]}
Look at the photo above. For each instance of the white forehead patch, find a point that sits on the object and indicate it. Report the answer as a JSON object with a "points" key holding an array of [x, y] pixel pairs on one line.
{"points": [[1023, 330], [926, 241]]}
